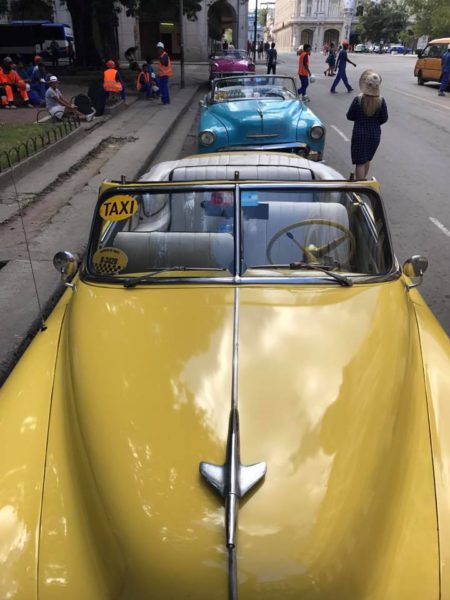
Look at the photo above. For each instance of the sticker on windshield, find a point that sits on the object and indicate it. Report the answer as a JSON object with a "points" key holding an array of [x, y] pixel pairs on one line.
{"points": [[118, 208], [249, 199], [110, 261]]}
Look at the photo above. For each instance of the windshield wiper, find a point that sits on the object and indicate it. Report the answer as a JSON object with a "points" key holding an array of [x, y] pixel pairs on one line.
{"points": [[133, 281], [342, 279]]}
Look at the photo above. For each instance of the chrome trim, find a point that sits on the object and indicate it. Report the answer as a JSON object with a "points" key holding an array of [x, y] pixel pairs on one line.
{"points": [[267, 147], [207, 131], [263, 135], [233, 479]]}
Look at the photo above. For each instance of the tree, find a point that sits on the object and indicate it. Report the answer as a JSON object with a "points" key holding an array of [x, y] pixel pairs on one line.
{"points": [[262, 17], [432, 17], [382, 20], [21, 10]]}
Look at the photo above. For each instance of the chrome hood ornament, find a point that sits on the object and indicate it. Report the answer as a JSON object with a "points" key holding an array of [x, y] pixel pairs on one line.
{"points": [[233, 479]]}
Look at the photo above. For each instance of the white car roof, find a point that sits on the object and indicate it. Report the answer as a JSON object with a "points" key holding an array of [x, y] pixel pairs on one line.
{"points": [[272, 166]]}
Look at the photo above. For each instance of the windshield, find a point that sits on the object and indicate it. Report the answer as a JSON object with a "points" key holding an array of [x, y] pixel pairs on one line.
{"points": [[248, 87], [156, 231], [282, 230], [232, 55], [340, 230]]}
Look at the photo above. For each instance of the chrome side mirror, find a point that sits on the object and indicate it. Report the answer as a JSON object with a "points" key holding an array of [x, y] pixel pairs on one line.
{"points": [[66, 264], [415, 267]]}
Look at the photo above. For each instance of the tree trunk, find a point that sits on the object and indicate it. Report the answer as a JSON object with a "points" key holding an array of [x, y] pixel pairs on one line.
{"points": [[82, 17]]}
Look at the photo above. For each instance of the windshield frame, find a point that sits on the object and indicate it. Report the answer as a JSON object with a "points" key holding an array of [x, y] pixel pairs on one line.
{"points": [[228, 80], [238, 276]]}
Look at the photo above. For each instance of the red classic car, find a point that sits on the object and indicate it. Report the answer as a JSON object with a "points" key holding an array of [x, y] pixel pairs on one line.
{"points": [[230, 62]]}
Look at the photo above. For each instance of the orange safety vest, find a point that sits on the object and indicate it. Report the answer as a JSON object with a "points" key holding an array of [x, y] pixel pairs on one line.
{"points": [[138, 80], [109, 81], [301, 65], [164, 71]]}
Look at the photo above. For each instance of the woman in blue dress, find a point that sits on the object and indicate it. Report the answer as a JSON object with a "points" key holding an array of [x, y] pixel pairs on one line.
{"points": [[369, 112], [331, 61]]}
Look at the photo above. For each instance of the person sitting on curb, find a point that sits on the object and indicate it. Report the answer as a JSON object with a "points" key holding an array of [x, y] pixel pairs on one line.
{"points": [[39, 79], [112, 81], [11, 82], [144, 82], [445, 71], [164, 72], [58, 106]]}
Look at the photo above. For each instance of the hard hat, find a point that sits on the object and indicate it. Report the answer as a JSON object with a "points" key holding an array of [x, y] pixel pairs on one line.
{"points": [[111, 64], [53, 78], [160, 45], [312, 78]]}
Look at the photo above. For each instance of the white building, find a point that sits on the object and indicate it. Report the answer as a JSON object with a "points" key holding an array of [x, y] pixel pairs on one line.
{"points": [[230, 16], [315, 22]]}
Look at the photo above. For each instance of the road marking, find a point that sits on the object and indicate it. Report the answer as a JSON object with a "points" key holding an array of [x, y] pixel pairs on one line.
{"points": [[340, 133], [421, 99], [439, 225]]}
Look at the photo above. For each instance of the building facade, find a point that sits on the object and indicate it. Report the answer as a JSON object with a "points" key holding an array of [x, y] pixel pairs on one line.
{"points": [[217, 19], [315, 22]]}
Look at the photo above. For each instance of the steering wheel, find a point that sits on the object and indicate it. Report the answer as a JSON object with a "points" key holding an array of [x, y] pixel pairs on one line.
{"points": [[277, 94], [311, 252]]}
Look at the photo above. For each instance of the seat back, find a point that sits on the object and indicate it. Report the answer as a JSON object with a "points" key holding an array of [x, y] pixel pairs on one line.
{"points": [[159, 250]]}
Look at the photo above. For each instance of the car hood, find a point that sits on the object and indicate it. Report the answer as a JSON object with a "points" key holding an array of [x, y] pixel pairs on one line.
{"points": [[248, 120], [225, 66], [331, 396]]}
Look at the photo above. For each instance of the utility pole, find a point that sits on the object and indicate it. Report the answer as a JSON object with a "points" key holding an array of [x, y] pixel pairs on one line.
{"points": [[181, 46], [254, 32]]}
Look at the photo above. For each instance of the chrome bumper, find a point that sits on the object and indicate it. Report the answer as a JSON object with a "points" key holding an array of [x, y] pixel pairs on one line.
{"points": [[292, 147]]}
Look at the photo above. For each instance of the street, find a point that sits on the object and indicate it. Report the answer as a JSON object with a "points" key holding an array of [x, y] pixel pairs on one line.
{"points": [[411, 162]]}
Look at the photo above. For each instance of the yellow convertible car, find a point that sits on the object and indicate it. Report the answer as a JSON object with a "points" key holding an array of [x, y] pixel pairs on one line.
{"points": [[241, 394]]}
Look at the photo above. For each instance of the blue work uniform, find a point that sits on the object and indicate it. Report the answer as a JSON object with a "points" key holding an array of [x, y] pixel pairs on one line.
{"points": [[445, 71], [341, 71]]}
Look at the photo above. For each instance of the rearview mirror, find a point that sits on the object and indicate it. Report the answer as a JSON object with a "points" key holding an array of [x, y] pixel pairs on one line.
{"points": [[66, 264], [415, 267]]}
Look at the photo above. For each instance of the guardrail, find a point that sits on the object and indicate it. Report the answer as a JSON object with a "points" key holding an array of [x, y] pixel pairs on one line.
{"points": [[16, 154]]}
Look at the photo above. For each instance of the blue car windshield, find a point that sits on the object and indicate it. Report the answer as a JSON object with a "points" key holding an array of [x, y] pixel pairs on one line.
{"points": [[249, 87]]}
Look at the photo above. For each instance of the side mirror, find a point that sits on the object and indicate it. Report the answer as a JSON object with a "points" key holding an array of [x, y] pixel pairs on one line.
{"points": [[419, 53], [66, 264], [415, 267], [202, 104]]}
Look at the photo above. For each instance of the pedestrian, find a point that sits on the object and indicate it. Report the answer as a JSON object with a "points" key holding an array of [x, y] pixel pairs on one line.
{"points": [[58, 106], [266, 50], [54, 51], [272, 59], [445, 71], [330, 60], [164, 72], [144, 82], [130, 55], [112, 81], [38, 86], [225, 45], [303, 71], [368, 111], [10, 82], [71, 52], [153, 78], [341, 65], [260, 49]]}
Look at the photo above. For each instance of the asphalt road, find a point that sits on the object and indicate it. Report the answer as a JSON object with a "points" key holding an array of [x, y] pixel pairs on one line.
{"points": [[412, 162]]}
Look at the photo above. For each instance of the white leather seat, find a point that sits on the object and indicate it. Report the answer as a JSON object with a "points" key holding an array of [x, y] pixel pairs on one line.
{"points": [[158, 250]]}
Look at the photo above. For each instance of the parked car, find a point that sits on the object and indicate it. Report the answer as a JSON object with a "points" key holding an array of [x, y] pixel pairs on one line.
{"points": [[259, 112], [230, 305], [397, 49], [361, 48], [428, 66], [230, 62]]}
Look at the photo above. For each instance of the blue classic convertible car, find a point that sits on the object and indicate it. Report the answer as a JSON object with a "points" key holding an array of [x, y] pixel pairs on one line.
{"points": [[259, 112]]}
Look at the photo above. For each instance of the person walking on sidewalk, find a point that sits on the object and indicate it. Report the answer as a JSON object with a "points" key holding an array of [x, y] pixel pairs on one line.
{"points": [[303, 71], [445, 72], [272, 56], [164, 72], [341, 65], [368, 111]]}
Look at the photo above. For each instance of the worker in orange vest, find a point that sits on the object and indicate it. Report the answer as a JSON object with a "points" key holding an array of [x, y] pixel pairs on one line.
{"points": [[144, 81], [164, 72], [303, 71], [11, 82], [112, 82]]}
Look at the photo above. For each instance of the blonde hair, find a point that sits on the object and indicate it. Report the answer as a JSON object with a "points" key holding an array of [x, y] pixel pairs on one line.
{"points": [[369, 104]]}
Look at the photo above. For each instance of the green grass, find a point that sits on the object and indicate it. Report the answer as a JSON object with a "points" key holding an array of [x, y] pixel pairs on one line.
{"points": [[34, 136]]}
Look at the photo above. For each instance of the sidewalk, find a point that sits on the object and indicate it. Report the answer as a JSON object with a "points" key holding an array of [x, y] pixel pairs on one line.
{"points": [[63, 194]]}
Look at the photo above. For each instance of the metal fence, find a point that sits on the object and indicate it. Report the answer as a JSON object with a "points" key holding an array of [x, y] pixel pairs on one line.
{"points": [[13, 156]]}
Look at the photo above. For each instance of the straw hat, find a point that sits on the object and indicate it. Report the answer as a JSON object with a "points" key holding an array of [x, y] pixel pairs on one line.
{"points": [[369, 83]]}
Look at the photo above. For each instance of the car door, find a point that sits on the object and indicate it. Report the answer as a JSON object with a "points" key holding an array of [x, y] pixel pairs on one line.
{"points": [[432, 62]]}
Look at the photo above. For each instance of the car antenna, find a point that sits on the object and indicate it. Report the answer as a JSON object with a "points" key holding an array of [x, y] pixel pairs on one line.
{"points": [[43, 326]]}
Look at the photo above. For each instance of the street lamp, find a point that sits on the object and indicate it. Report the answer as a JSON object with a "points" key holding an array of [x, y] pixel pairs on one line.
{"points": [[254, 32], [181, 46]]}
